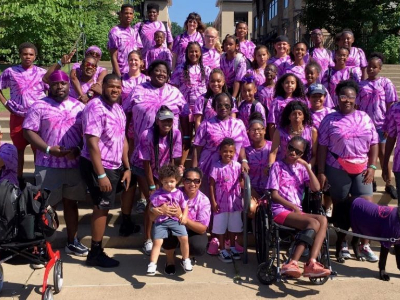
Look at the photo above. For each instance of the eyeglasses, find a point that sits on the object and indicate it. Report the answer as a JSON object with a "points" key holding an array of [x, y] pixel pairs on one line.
{"points": [[256, 130], [189, 181], [297, 151], [94, 54], [227, 106], [211, 37], [345, 98], [90, 65], [192, 21]]}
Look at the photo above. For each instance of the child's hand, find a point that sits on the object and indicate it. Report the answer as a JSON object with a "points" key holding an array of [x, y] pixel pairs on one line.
{"points": [[297, 210], [184, 220], [215, 207]]}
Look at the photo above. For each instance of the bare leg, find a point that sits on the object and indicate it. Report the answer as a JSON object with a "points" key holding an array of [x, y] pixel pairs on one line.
{"points": [[21, 160], [155, 252], [99, 222], [184, 242], [170, 257], [71, 218], [127, 198]]}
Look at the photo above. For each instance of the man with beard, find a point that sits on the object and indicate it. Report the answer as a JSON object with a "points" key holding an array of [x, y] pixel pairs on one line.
{"points": [[53, 125], [104, 162]]}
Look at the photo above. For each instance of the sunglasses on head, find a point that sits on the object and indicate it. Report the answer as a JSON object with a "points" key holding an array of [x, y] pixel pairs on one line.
{"points": [[189, 181], [90, 65], [297, 151], [94, 54]]}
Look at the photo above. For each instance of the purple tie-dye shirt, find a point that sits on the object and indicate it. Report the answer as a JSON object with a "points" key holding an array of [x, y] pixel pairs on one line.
{"points": [[158, 53], [323, 57], [26, 87], [107, 122], [211, 58], [247, 48], [180, 43], [211, 133], [356, 58], [227, 186], [285, 137], [392, 125], [129, 83], [278, 61], [349, 136], [125, 40], [259, 76], [231, 73], [319, 115], [85, 86], [245, 112], [195, 87], [278, 104], [328, 99], [258, 163], [199, 208], [209, 112], [161, 197], [57, 124], [146, 149], [289, 181], [146, 31], [144, 102], [266, 95], [9, 156], [332, 77], [288, 67], [373, 97]]}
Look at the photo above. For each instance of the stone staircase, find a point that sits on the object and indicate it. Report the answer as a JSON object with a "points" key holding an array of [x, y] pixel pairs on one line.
{"points": [[111, 238]]}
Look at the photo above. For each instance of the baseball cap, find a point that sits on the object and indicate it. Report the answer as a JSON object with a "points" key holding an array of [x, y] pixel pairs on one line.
{"points": [[316, 88], [164, 115]]}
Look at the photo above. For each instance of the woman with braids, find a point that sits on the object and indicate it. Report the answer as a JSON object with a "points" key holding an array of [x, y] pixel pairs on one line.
{"points": [[296, 120], [191, 78], [158, 146]]}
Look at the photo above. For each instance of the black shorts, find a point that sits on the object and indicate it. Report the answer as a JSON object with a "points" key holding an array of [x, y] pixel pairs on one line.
{"points": [[103, 200]]}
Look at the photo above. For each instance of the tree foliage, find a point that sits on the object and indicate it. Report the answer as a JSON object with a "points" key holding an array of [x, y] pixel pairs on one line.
{"points": [[54, 26], [372, 21], [176, 29]]}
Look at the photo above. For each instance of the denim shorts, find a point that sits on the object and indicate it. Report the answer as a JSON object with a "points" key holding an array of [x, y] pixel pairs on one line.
{"points": [[381, 135]]}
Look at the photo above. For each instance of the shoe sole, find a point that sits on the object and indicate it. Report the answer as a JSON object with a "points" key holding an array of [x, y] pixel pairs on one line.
{"points": [[70, 252], [213, 254], [94, 264], [293, 274], [322, 274], [150, 274], [225, 261], [366, 258], [236, 258]]}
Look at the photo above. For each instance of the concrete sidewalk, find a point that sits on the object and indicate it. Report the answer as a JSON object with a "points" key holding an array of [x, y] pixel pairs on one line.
{"points": [[211, 279]]}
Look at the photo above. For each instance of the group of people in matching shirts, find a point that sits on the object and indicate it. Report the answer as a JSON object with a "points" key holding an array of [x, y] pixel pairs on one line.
{"points": [[302, 117]]}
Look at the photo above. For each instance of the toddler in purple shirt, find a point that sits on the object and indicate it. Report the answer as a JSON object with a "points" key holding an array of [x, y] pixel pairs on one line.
{"points": [[159, 51], [171, 196]]}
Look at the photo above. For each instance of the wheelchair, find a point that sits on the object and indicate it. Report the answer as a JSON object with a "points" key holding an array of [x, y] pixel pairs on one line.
{"points": [[270, 236]]}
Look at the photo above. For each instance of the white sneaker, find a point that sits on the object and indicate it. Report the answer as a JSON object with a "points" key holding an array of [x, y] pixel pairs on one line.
{"points": [[187, 265], [151, 269], [344, 252], [147, 247], [365, 251], [328, 212], [141, 206]]}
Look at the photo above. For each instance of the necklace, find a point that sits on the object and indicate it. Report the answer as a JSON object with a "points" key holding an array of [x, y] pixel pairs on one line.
{"points": [[296, 132]]}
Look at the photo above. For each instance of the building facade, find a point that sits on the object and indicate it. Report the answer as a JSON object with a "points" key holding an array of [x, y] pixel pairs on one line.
{"points": [[231, 12], [277, 17], [142, 8]]}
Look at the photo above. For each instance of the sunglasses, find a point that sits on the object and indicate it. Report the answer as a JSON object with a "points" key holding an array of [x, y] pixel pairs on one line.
{"points": [[227, 106], [256, 130], [297, 151], [189, 181], [94, 54], [90, 65], [345, 98]]}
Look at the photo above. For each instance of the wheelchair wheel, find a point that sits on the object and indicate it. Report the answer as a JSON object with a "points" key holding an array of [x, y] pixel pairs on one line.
{"points": [[48, 294], [58, 276], [267, 273], [1, 277], [261, 239]]}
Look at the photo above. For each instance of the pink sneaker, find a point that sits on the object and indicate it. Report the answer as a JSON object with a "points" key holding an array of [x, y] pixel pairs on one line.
{"points": [[291, 269], [315, 269], [213, 247], [238, 248], [227, 244]]}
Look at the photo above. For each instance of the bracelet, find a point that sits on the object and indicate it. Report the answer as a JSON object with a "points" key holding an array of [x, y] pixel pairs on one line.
{"points": [[186, 137], [60, 63], [102, 176], [180, 217], [372, 167], [152, 187], [245, 160], [127, 169], [48, 150], [5, 103]]}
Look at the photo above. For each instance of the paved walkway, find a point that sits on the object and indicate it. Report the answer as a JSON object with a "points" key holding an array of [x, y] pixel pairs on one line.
{"points": [[211, 279]]}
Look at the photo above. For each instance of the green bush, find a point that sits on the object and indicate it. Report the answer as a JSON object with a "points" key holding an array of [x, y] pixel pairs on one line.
{"points": [[388, 45]]}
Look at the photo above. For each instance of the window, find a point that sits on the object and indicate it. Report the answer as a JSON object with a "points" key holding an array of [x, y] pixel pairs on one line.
{"points": [[285, 3], [273, 9], [262, 19], [255, 23]]}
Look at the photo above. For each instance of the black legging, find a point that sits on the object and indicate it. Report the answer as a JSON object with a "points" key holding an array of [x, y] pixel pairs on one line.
{"points": [[197, 243]]}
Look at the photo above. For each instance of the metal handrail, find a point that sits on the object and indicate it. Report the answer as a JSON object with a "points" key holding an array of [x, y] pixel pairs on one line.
{"points": [[246, 205]]}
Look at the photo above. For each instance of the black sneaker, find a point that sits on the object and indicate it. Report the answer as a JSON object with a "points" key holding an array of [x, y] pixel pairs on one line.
{"points": [[169, 269], [391, 190], [101, 260], [127, 228]]}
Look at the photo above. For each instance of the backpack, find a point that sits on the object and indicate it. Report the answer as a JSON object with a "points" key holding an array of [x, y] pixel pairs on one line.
{"points": [[9, 206]]}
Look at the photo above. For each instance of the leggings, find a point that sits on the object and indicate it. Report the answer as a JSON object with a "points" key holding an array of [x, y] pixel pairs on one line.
{"points": [[197, 243]]}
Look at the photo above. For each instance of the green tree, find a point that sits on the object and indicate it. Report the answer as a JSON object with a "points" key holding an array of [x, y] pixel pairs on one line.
{"points": [[372, 21], [54, 26], [176, 29]]}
